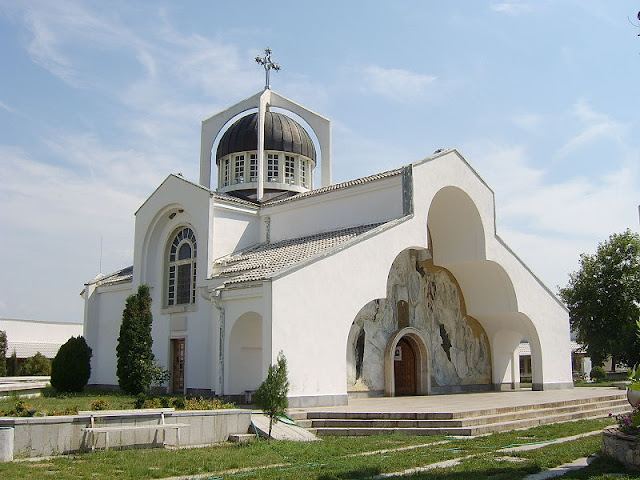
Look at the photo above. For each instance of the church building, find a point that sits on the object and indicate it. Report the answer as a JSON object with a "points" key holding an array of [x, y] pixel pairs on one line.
{"points": [[392, 284]]}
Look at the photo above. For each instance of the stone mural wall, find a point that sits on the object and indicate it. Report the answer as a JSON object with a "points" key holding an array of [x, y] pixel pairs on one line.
{"points": [[427, 298]]}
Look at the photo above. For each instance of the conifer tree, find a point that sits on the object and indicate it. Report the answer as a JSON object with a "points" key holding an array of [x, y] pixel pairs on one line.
{"points": [[71, 367], [3, 353], [135, 357], [271, 396]]}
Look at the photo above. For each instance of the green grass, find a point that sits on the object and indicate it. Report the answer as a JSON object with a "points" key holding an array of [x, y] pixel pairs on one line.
{"points": [[51, 402], [332, 458]]}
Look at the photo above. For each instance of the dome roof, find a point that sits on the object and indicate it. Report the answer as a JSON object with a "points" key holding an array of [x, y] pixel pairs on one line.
{"points": [[281, 134]]}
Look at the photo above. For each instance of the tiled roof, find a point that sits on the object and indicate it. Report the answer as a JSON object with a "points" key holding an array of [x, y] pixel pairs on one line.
{"points": [[29, 349], [264, 260], [338, 186], [121, 276]]}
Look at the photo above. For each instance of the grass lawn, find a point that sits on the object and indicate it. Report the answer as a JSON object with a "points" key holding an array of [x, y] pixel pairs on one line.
{"points": [[51, 402], [333, 458]]}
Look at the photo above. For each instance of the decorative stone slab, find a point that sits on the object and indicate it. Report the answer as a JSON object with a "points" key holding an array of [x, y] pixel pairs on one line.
{"points": [[282, 430], [624, 448]]}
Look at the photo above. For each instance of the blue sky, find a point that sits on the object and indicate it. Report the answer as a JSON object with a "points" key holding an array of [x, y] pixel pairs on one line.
{"points": [[100, 101]]}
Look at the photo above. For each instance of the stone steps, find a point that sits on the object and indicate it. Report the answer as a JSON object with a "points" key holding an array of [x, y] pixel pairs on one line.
{"points": [[474, 422]]}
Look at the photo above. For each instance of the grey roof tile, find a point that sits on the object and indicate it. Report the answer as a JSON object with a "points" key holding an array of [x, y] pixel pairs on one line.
{"points": [[263, 261]]}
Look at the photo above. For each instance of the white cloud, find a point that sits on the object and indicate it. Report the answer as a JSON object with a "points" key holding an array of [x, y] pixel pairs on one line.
{"points": [[553, 222], [397, 84], [595, 127], [512, 8]]}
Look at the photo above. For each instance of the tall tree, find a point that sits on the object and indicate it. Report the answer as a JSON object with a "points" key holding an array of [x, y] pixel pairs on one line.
{"points": [[603, 297], [271, 396], [135, 357]]}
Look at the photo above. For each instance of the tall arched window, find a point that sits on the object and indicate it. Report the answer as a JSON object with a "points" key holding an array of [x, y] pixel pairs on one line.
{"points": [[181, 285]]}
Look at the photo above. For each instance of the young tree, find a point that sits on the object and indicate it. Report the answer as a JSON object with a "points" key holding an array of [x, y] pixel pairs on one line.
{"points": [[603, 298], [271, 396], [13, 367], [3, 353], [37, 364], [71, 367], [135, 357]]}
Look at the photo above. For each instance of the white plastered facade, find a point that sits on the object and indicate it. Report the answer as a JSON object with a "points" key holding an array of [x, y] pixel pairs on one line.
{"points": [[307, 306]]}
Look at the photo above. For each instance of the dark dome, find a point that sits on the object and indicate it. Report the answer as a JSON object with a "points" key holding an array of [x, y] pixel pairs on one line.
{"points": [[281, 134]]}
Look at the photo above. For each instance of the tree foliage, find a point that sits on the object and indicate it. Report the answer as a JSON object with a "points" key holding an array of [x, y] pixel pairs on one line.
{"points": [[603, 297], [271, 396], [13, 367], [3, 353], [135, 357], [71, 367], [37, 364]]}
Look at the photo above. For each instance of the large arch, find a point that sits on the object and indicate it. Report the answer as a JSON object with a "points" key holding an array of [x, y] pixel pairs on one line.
{"points": [[245, 354], [455, 227]]}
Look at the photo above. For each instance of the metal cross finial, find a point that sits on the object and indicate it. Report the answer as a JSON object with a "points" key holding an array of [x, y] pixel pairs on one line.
{"points": [[268, 65]]}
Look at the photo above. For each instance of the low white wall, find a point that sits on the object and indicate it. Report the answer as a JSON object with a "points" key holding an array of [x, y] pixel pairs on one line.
{"points": [[44, 436]]}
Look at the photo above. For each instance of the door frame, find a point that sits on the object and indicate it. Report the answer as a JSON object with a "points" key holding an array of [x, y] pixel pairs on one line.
{"points": [[419, 346], [172, 342]]}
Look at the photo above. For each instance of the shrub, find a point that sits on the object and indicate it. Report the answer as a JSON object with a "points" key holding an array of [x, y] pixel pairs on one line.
{"points": [[3, 353], [38, 364], [597, 374], [271, 396], [180, 403], [100, 404], [71, 368], [140, 399]]}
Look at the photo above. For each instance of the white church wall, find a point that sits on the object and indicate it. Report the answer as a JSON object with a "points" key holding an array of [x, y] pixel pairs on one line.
{"points": [[234, 228], [247, 311], [156, 220], [373, 202], [312, 325], [105, 306], [500, 290]]}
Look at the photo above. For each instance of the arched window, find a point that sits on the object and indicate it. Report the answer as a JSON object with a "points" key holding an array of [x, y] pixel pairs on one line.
{"points": [[181, 261]]}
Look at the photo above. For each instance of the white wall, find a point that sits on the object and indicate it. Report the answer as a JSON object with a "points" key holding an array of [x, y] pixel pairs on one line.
{"points": [[372, 202]]}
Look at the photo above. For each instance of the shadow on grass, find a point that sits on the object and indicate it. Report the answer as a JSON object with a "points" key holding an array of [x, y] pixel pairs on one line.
{"points": [[365, 472]]}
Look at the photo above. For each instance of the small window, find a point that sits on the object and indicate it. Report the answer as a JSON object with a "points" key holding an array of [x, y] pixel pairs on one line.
{"points": [[303, 173], [253, 168], [181, 268], [239, 169], [289, 169], [227, 173], [273, 170]]}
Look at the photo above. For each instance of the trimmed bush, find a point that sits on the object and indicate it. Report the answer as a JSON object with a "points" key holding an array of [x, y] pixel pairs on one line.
{"points": [[38, 364], [71, 368], [597, 374]]}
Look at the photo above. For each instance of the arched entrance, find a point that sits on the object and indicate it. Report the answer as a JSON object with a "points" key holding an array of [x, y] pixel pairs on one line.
{"points": [[404, 368], [406, 364]]}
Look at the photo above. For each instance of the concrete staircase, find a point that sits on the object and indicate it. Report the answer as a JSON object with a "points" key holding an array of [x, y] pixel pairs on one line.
{"points": [[467, 423]]}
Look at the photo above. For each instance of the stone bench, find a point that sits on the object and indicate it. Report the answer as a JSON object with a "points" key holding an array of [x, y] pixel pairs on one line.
{"points": [[93, 430]]}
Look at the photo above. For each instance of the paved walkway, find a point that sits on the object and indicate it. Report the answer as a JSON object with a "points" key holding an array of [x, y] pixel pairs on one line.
{"points": [[465, 402]]}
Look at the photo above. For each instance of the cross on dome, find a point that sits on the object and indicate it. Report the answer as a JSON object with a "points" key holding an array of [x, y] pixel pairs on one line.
{"points": [[268, 65]]}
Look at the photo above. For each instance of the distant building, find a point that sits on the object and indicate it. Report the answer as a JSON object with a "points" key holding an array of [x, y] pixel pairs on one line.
{"points": [[392, 284], [28, 337]]}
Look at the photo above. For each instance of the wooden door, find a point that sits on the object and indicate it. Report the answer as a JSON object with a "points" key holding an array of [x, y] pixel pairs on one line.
{"points": [[177, 367], [404, 368]]}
